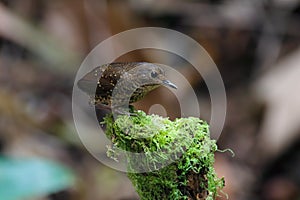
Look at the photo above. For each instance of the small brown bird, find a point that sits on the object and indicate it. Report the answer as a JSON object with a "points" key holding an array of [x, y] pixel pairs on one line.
{"points": [[120, 84]]}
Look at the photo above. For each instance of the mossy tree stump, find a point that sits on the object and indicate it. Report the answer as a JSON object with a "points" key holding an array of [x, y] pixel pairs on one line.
{"points": [[178, 156]]}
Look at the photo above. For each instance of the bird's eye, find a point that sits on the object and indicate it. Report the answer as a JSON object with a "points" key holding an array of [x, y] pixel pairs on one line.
{"points": [[154, 74]]}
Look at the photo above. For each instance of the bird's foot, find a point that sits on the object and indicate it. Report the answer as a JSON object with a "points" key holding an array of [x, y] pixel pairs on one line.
{"points": [[120, 110]]}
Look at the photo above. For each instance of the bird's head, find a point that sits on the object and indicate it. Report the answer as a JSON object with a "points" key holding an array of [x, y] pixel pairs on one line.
{"points": [[151, 74]]}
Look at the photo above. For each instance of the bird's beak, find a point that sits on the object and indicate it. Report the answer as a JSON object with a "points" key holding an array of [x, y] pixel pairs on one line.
{"points": [[169, 84]]}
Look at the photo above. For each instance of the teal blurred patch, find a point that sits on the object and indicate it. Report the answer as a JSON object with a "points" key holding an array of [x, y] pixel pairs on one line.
{"points": [[32, 177]]}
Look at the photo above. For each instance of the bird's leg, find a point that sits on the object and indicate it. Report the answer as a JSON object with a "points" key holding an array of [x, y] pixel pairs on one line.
{"points": [[123, 110], [120, 110], [103, 106]]}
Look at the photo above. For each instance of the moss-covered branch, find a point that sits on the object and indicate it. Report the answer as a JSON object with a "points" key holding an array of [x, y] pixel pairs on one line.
{"points": [[178, 157]]}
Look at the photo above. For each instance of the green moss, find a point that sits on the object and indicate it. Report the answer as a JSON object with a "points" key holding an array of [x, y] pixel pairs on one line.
{"points": [[178, 156]]}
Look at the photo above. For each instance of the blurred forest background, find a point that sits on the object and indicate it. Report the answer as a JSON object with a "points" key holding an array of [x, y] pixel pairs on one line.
{"points": [[255, 45]]}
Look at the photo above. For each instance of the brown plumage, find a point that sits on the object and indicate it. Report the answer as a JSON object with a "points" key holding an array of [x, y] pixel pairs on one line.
{"points": [[118, 84]]}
